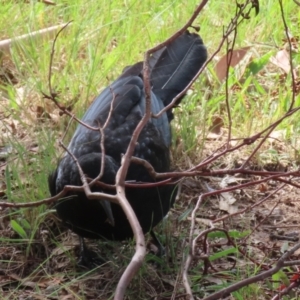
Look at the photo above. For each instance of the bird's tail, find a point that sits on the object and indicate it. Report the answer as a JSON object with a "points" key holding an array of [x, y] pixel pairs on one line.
{"points": [[175, 66]]}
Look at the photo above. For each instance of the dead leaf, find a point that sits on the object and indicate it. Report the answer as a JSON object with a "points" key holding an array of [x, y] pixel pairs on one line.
{"points": [[215, 280], [263, 187], [217, 125], [282, 60], [239, 61], [227, 199], [61, 250], [206, 222], [229, 180], [226, 203]]}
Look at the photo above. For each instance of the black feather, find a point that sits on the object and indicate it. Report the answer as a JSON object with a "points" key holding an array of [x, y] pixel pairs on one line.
{"points": [[172, 69]]}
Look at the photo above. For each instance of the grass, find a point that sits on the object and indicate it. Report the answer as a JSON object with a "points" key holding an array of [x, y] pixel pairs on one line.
{"points": [[106, 36]]}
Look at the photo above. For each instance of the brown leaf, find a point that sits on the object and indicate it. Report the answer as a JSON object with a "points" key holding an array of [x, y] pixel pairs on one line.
{"points": [[217, 124], [236, 61], [262, 187]]}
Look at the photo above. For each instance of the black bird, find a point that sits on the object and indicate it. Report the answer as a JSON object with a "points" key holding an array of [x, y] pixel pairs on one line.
{"points": [[172, 68]]}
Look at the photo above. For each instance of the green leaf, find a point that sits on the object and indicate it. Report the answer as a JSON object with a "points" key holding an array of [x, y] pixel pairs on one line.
{"points": [[237, 295], [25, 224], [258, 64], [223, 253], [185, 214], [18, 229], [233, 233], [280, 278]]}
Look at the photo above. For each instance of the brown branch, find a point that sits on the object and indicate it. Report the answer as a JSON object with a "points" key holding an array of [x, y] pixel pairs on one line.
{"points": [[53, 94], [286, 291], [102, 140], [36, 203], [53, 97], [86, 186], [140, 252], [67, 112], [246, 141], [286, 29], [52, 55], [229, 59], [185, 279], [292, 263], [67, 129], [172, 38], [267, 176], [146, 165]]}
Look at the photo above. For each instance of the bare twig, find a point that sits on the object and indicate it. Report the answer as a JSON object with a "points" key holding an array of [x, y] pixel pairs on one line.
{"points": [[53, 94], [189, 259], [286, 29], [229, 59], [102, 140], [140, 252], [51, 59], [86, 186], [286, 290]]}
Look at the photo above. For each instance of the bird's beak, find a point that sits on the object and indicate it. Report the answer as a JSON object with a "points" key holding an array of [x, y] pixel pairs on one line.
{"points": [[107, 208]]}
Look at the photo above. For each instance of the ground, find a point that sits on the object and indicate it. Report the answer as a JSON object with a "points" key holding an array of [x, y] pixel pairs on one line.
{"points": [[47, 267]]}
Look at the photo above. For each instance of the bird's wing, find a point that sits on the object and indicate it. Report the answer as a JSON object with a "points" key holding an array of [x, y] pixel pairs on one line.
{"points": [[127, 100], [122, 96]]}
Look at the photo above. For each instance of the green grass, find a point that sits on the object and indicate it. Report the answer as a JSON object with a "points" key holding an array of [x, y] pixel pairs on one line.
{"points": [[104, 37]]}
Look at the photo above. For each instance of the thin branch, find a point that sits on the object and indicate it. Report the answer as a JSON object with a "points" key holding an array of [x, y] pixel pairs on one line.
{"points": [[102, 140], [286, 29], [52, 55], [140, 252], [229, 59], [86, 186], [189, 259]]}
